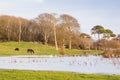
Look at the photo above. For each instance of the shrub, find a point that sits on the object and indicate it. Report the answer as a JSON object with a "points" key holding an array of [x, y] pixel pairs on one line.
{"points": [[62, 51], [111, 53], [113, 44]]}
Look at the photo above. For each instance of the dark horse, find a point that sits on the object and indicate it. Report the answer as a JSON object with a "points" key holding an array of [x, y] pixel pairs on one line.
{"points": [[16, 49], [30, 51]]}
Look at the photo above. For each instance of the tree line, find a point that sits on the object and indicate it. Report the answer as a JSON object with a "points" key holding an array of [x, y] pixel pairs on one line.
{"points": [[103, 40], [50, 29]]}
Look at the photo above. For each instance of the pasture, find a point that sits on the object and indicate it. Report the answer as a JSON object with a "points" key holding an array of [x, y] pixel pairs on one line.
{"points": [[8, 48], [37, 75]]}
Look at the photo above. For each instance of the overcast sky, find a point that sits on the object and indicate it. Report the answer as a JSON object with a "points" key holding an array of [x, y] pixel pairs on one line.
{"points": [[88, 12]]}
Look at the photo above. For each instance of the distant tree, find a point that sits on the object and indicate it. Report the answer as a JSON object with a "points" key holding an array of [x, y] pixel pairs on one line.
{"points": [[84, 35], [98, 29], [62, 35], [113, 44], [47, 24], [86, 41], [118, 37], [33, 31], [4, 25], [71, 24], [8, 29], [13, 28], [113, 35], [54, 21], [108, 33], [20, 30]]}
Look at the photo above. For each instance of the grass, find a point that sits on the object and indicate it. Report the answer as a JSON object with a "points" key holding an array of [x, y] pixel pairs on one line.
{"points": [[7, 48], [37, 75]]}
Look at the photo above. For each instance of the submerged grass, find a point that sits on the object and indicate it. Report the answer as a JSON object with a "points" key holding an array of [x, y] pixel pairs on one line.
{"points": [[40, 75], [7, 48]]}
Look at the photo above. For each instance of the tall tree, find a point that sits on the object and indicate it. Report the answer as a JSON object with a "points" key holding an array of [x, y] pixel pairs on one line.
{"points": [[47, 23], [20, 31], [8, 29], [86, 41], [108, 33], [98, 29], [13, 28], [71, 24], [118, 37]]}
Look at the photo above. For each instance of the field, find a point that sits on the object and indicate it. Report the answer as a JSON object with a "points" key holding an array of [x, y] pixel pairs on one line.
{"points": [[7, 48], [37, 75]]}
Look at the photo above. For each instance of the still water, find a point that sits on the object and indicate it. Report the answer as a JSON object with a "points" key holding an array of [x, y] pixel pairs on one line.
{"points": [[78, 64]]}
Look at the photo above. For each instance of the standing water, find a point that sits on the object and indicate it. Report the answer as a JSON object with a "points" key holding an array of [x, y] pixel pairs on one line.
{"points": [[79, 64]]}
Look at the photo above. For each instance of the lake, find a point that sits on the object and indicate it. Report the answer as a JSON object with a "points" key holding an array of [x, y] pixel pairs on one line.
{"points": [[78, 64]]}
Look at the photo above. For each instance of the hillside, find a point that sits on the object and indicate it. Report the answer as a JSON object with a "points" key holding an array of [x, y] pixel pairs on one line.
{"points": [[8, 48]]}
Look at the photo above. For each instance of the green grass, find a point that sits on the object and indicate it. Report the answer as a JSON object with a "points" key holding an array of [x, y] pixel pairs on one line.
{"points": [[7, 48], [37, 75]]}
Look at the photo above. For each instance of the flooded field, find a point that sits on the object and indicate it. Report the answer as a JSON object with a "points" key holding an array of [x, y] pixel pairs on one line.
{"points": [[79, 64]]}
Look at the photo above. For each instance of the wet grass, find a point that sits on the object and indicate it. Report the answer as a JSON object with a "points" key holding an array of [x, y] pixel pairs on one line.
{"points": [[40, 75], [7, 48]]}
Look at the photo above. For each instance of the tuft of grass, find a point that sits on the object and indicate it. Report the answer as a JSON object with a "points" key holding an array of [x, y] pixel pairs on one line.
{"points": [[7, 48], [40, 75]]}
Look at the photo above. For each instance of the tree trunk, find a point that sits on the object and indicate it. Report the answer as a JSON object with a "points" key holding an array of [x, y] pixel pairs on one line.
{"points": [[56, 46], [63, 43], [8, 30], [62, 49], [98, 41], [70, 43], [8, 33], [98, 36], [19, 39], [45, 39]]}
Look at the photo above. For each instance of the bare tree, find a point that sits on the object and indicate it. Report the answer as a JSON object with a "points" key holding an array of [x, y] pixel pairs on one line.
{"points": [[47, 24], [8, 29], [19, 39], [70, 24]]}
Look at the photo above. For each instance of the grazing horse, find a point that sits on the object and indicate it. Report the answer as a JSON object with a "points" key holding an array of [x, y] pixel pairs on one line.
{"points": [[30, 51], [16, 49]]}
